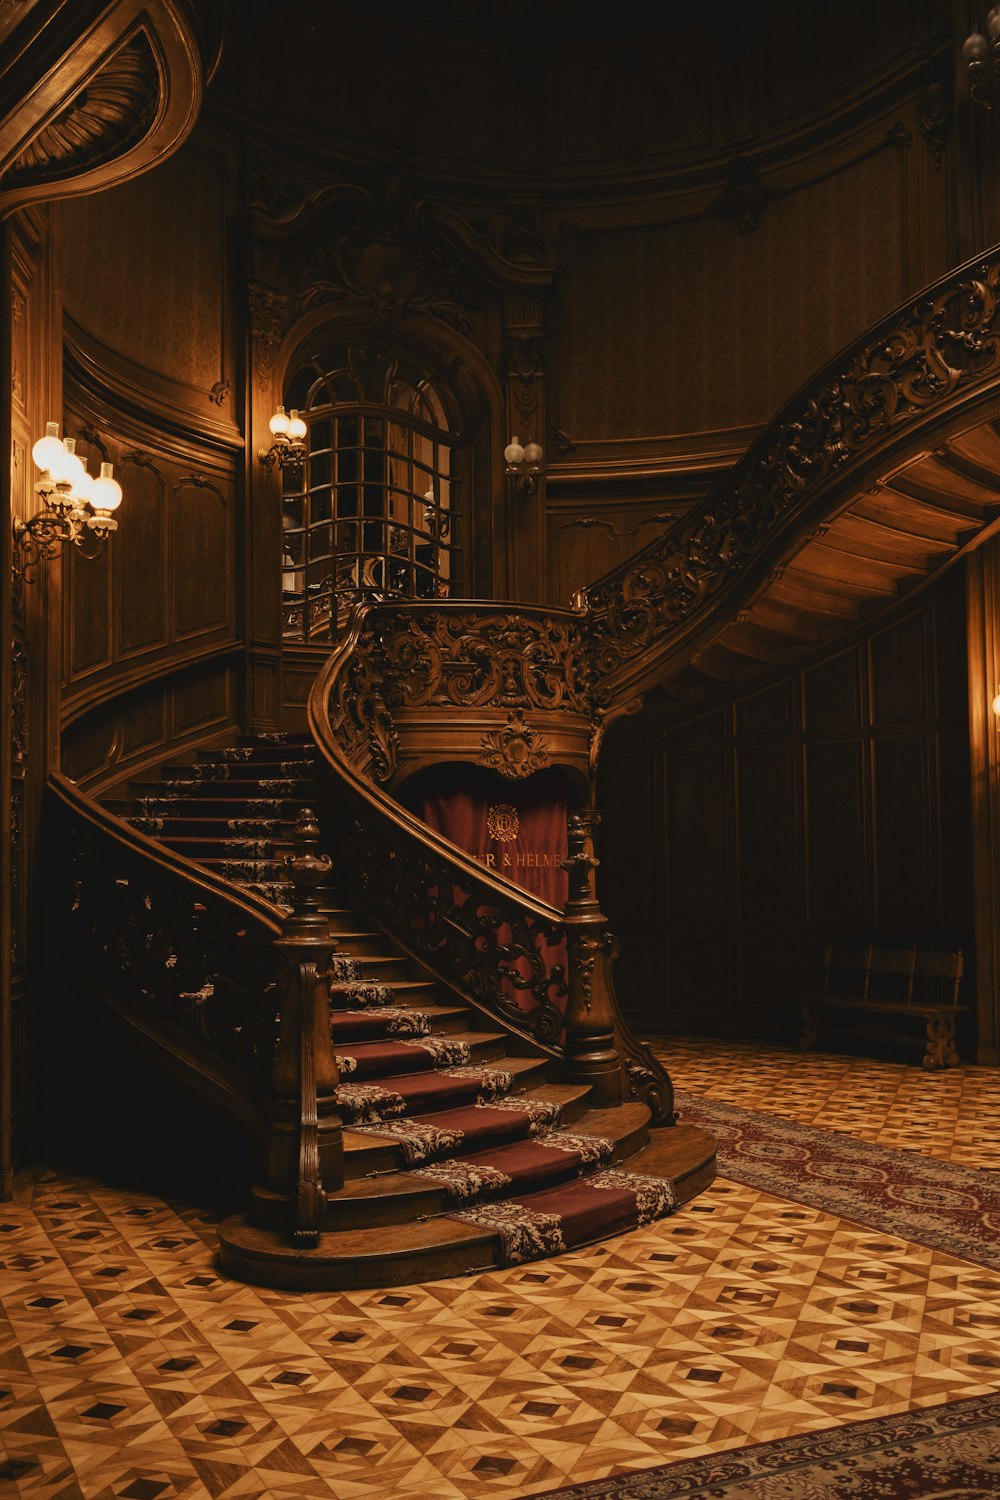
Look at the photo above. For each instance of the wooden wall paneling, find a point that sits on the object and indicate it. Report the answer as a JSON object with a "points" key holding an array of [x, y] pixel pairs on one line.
{"points": [[170, 339], [902, 852], [580, 550], [983, 583], [143, 614], [143, 721], [832, 692], [767, 855], [87, 616], [203, 699], [831, 802], [697, 846], [899, 672], [203, 557], [838, 879], [29, 614], [92, 744]]}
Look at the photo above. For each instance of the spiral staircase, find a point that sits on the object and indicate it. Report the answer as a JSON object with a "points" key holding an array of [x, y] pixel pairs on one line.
{"points": [[431, 1062]]}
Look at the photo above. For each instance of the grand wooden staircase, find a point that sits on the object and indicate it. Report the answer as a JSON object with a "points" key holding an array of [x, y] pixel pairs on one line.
{"points": [[461, 1140], [456, 1087]]}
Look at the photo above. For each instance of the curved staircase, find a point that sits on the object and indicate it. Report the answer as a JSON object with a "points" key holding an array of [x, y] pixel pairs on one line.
{"points": [[458, 1089], [463, 1149]]}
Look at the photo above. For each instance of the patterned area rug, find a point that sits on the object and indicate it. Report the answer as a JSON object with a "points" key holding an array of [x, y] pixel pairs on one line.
{"points": [[950, 1208], [947, 1453]]}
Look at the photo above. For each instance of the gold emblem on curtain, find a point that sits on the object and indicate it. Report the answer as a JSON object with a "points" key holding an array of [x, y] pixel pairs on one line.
{"points": [[502, 822]]}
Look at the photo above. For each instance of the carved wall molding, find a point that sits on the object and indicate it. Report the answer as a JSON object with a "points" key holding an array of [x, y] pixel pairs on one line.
{"points": [[745, 195], [18, 701], [515, 750], [936, 105], [270, 314]]}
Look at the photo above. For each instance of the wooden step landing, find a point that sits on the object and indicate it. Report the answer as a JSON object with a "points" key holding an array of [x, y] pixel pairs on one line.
{"points": [[352, 1259]]}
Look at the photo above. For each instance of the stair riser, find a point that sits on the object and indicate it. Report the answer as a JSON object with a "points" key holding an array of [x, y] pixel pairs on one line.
{"points": [[368, 1072], [248, 1257]]}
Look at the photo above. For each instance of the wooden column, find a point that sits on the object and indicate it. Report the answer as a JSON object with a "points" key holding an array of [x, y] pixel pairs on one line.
{"points": [[983, 616]]}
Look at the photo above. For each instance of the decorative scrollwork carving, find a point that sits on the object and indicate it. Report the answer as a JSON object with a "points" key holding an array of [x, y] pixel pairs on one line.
{"points": [[187, 963], [943, 342], [269, 316], [515, 750], [486, 943], [18, 701], [474, 655]]}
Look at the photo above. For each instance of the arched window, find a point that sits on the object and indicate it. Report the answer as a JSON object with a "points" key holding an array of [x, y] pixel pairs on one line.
{"points": [[373, 512]]}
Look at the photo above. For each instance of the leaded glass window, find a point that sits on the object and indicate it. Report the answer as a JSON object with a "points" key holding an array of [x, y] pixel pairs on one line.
{"points": [[373, 512]]}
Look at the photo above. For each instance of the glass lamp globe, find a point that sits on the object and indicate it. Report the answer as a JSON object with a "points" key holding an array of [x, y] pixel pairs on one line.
{"points": [[48, 447], [107, 492], [534, 453], [279, 423], [513, 452], [975, 47], [296, 427], [66, 467]]}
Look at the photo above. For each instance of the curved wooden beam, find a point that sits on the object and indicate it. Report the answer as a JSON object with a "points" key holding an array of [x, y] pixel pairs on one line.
{"points": [[928, 370], [93, 94]]}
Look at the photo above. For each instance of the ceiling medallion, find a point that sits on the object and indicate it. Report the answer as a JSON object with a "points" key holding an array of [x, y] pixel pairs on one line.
{"points": [[502, 822], [515, 750]]}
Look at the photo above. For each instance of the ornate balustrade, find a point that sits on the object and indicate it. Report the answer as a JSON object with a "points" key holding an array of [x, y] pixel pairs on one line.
{"points": [[507, 687], [503, 685], [226, 989], [936, 360]]}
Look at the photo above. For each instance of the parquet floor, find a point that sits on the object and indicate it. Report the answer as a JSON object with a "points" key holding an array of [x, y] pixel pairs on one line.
{"points": [[129, 1369]]}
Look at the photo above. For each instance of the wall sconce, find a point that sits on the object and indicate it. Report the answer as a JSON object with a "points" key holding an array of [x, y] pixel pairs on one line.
{"points": [[975, 50], [76, 507], [288, 449], [524, 465]]}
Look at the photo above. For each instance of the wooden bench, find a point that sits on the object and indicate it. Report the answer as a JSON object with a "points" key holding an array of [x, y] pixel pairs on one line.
{"points": [[871, 981]]}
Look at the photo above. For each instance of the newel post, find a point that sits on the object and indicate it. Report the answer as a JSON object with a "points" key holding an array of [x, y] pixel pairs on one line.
{"points": [[591, 1051], [306, 1150]]}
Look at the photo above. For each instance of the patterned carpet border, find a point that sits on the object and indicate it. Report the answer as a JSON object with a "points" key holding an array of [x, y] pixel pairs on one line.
{"points": [[947, 1452], [934, 1203]]}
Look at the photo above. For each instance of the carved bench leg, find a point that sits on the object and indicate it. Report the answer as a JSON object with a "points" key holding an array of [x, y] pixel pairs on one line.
{"points": [[810, 1027], [941, 1050]]}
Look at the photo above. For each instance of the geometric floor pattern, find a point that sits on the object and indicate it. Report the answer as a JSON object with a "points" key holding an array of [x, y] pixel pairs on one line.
{"points": [[129, 1368]]}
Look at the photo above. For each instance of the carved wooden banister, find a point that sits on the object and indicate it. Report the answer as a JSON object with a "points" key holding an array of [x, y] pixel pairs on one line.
{"points": [[935, 360], [494, 684], [227, 988]]}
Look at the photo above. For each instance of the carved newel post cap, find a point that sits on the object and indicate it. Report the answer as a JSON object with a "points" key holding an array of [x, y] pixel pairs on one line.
{"points": [[306, 868]]}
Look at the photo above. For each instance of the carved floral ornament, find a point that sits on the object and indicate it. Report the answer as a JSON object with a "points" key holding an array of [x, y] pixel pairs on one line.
{"points": [[944, 342], [515, 750]]}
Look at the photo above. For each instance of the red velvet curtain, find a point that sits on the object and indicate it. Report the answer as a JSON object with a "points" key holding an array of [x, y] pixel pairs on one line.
{"points": [[515, 829]]}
